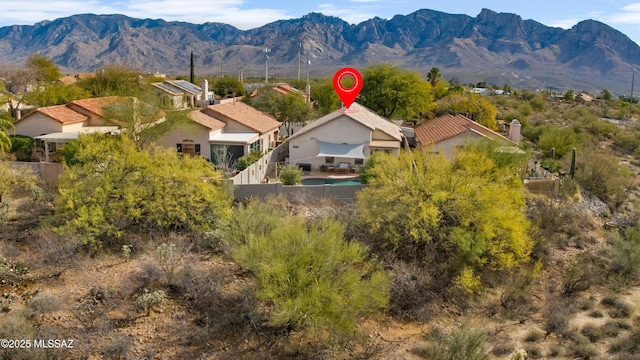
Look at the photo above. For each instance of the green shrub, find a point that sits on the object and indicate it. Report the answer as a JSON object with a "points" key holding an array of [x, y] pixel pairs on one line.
{"points": [[562, 139], [602, 176], [245, 161], [462, 343], [148, 300], [21, 147], [313, 279], [551, 164], [290, 175]]}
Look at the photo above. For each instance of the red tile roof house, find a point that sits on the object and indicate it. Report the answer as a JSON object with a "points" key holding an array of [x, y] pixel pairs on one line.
{"points": [[53, 126], [446, 133], [224, 131]]}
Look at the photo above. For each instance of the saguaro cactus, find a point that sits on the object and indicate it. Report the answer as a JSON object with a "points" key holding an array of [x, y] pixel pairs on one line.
{"points": [[573, 163]]}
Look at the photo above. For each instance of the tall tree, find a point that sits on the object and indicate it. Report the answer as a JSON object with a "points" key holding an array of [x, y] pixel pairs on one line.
{"points": [[289, 109], [324, 96], [55, 93], [473, 106], [110, 188], [459, 216], [113, 80], [5, 141], [227, 87], [192, 74], [434, 75], [395, 93], [38, 72], [142, 121]]}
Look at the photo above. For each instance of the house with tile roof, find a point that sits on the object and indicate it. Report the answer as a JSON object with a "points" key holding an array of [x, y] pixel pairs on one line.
{"points": [[181, 94], [224, 131], [446, 133], [345, 136], [52, 126]]}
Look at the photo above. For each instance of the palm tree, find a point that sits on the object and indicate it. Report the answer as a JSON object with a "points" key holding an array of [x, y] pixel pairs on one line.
{"points": [[434, 75]]}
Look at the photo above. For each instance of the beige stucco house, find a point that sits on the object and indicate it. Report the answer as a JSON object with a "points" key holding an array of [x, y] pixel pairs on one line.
{"points": [[224, 132], [446, 133], [345, 136], [52, 126]]}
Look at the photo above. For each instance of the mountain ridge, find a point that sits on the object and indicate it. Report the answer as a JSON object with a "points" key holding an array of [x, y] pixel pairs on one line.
{"points": [[494, 47]]}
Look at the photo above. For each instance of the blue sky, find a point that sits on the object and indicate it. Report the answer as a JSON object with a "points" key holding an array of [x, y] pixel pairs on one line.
{"points": [[246, 14]]}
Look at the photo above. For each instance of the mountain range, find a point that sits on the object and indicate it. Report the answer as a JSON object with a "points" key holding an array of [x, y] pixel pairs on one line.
{"points": [[494, 47]]}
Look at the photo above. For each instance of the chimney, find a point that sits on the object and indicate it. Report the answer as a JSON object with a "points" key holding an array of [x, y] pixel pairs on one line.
{"points": [[514, 131], [307, 91], [18, 114], [205, 93]]}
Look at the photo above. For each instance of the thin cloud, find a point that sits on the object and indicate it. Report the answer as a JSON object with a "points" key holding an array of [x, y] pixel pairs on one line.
{"points": [[629, 14]]}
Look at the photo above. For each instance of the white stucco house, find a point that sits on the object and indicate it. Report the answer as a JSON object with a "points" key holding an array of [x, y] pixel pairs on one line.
{"points": [[53, 126], [224, 132], [343, 138], [446, 133]]}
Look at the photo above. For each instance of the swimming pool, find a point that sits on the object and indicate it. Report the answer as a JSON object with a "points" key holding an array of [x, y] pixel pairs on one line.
{"points": [[328, 181]]}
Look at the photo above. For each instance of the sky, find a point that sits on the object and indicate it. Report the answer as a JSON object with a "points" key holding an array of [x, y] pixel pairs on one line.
{"points": [[247, 14]]}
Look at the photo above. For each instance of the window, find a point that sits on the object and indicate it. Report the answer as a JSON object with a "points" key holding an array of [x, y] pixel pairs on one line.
{"points": [[358, 161], [255, 146], [329, 160], [188, 147]]}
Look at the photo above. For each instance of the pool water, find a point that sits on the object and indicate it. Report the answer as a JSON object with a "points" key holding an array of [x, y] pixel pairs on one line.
{"points": [[337, 182]]}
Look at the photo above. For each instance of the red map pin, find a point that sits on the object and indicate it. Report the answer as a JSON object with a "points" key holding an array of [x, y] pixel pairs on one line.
{"points": [[347, 95]]}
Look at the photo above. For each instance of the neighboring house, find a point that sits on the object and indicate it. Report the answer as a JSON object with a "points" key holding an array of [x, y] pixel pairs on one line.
{"points": [[481, 91], [343, 137], [446, 133], [583, 98], [52, 126], [285, 89], [224, 132], [181, 94]]}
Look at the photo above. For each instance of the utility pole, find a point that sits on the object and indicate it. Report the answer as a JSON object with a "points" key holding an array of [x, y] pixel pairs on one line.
{"points": [[192, 73], [266, 65], [299, 47], [308, 62], [633, 78], [221, 71]]}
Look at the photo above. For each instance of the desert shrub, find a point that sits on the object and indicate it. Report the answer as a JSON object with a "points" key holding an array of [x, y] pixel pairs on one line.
{"points": [[578, 276], [290, 175], [532, 133], [410, 292], [629, 343], [550, 164], [44, 302], [556, 317], [222, 302], [534, 336], [21, 147], [602, 176], [561, 139], [169, 257], [624, 254], [149, 300], [19, 325], [592, 332], [245, 161], [254, 218], [627, 140], [314, 280], [461, 343], [538, 103], [618, 307], [596, 314], [582, 349], [533, 352], [613, 328], [118, 347]]}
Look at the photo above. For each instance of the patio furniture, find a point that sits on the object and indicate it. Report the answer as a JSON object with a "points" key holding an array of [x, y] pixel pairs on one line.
{"points": [[343, 166], [329, 167]]}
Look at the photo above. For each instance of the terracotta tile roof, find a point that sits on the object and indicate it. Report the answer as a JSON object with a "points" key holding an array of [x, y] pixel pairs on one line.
{"points": [[206, 120], [95, 105], [244, 115], [448, 126], [59, 113], [360, 114]]}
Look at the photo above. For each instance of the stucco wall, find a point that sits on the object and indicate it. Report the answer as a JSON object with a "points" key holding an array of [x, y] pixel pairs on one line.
{"points": [[448, 147], [303, 149], [37, 124], [193, 131]]}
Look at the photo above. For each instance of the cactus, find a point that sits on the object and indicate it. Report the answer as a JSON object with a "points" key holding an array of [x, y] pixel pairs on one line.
{"points": [[573, 163], [553, 153]]}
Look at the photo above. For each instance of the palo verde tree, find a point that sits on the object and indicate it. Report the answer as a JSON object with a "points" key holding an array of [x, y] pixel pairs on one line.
{"points": [[143, 121], [459, 216], [314, 280], [113, 80], [395, 93], [289, 109], [110, 188]]}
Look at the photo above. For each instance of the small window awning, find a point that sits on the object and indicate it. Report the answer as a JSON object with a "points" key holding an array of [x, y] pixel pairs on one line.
{"points": [[387, 144], [234, 138], [352, 151]]}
